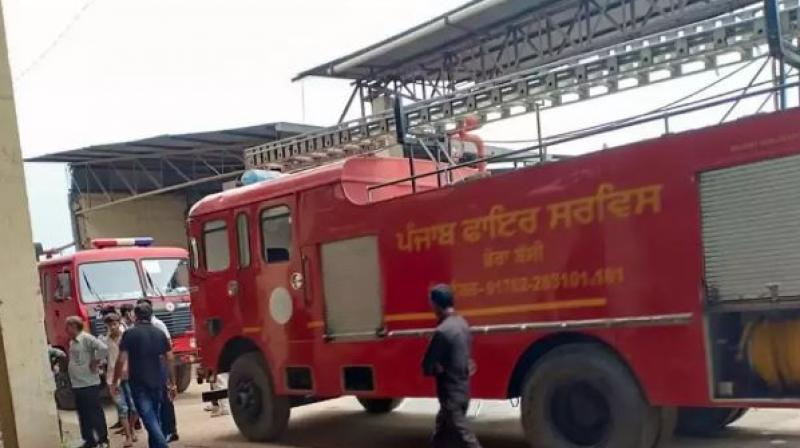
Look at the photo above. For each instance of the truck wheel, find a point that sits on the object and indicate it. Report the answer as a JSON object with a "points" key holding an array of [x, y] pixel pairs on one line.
{"points": [[659, 427], [184, 377], [65, 399], [260, 415], [703, 422], [580, 395], [736, 415], [379, 405]]}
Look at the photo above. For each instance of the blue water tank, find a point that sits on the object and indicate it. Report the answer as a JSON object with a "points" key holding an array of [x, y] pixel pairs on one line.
{"points": [[255, 176]]}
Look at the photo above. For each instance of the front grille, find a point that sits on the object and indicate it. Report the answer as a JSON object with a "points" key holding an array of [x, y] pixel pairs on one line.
{"points": [[178, 322]]}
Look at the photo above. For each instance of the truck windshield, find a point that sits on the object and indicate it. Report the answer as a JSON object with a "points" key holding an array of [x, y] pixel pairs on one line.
{"points": [[166, 276], [109, 281]]}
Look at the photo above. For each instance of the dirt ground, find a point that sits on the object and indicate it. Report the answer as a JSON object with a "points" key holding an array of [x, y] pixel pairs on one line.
{"points": [[341, 424]]}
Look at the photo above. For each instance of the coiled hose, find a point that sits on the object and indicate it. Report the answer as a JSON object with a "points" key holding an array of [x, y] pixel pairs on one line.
{"points": [[773, 352]]}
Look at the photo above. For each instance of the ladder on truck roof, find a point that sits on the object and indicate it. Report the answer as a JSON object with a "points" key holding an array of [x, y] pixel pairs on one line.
{"points": [[660, 57]]}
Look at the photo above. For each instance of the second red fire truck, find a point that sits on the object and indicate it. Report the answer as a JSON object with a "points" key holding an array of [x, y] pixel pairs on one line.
{"points": [[614, 293], [116, 272]]}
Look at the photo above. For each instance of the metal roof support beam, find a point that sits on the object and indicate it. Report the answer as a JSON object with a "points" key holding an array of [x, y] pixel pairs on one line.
{"points": [[99, 183], [156, 182], [75, 184], [780, 48], [204, 162], [123, 178], [727, 40], [165, 153], [349, 103], [462, 47], [177, 170], [163, 190]]}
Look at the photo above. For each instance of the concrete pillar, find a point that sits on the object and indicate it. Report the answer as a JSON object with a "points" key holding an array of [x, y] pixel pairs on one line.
{"points": [[27, 409]]}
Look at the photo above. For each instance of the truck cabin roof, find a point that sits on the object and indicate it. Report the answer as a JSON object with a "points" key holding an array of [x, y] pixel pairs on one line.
{"points": [[115, 253], [355, 175]]}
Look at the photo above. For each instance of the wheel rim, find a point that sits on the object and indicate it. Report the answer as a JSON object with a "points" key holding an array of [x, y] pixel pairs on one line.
{"points": [[247, 396], [581, 414]]}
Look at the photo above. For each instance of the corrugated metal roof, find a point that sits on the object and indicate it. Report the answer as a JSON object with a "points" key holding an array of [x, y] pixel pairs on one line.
{"points": [[479, 33], [428, 36], [226, 140]]}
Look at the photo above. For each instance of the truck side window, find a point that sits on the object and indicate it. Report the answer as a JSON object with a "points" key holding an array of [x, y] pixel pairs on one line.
{"points": [[276, 234], [63, 285], [47, 287], [243, 240], [215, 246], [194, 254]]}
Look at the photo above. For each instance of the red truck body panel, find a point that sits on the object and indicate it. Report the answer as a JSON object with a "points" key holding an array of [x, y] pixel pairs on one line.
{"points": [[611, 234]]}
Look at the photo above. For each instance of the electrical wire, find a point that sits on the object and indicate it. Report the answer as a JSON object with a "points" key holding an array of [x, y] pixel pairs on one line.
{"points": [[789, 74], [749, 85], [643, 114], [611, 125], [46, 52], [615, 125]]}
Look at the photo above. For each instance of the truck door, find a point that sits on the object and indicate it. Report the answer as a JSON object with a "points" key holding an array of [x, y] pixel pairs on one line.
{"points": [[60, 302], [214, 266], [247, 270], [282, 281]]}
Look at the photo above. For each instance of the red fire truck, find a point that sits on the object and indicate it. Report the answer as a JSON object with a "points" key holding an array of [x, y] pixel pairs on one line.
{"points": [[115, 272], [614, 293]]}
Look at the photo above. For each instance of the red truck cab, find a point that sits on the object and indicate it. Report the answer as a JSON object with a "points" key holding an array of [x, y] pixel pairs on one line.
{"points": [[116, 272]]}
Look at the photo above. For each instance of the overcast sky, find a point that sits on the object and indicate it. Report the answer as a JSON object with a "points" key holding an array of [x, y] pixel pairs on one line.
{"points": [[99, 71]]}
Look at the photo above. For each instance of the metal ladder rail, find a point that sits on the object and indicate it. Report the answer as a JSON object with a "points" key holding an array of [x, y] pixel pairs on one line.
{"points": [[667, 53]]}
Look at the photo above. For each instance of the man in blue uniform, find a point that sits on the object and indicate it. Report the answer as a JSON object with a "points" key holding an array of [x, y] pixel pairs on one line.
{"points": [[448, 361]]}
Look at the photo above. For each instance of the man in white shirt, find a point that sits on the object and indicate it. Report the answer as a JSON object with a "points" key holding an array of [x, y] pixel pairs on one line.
{"points": [[85, 354]]}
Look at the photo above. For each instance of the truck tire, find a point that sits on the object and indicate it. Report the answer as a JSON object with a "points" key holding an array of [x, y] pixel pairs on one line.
{"points": [[703, 422], [581, 395], [379, 405], [660, 427], [183, 372], [260, 415], [736, 415]]}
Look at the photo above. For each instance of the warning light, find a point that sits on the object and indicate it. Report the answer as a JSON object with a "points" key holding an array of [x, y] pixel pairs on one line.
{"points": [[101, 243]]}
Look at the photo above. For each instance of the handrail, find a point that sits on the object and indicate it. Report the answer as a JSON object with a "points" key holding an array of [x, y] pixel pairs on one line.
{"points": [[572, 136]]}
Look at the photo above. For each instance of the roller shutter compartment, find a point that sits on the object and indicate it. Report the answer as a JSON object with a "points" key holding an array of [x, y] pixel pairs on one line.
{"points": [[751, 230]]}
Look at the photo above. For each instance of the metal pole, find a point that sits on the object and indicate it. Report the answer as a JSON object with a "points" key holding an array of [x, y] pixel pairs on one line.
{"points": [[361, 99], [347, 106], [542, 148], [400, 132], [782, 80], [775, 96]]}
